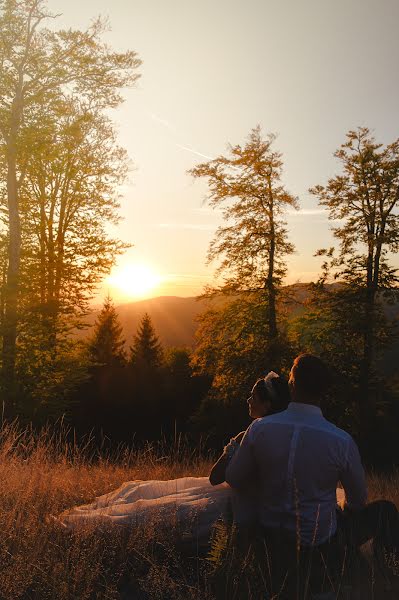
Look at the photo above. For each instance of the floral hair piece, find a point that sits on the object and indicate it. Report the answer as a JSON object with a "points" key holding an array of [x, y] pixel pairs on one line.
{"points": [[268, 384]]}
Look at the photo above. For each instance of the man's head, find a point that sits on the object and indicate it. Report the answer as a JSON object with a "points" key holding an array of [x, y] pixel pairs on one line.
{"points": [[309, 380]]}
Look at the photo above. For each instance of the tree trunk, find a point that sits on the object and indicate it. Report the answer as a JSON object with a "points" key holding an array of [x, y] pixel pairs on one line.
{"points": [[269, 284], [368, 399], [14, 254], [271, 296]]}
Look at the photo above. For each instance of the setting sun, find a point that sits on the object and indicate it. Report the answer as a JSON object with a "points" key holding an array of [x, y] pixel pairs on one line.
{"points": [[134, 280]]}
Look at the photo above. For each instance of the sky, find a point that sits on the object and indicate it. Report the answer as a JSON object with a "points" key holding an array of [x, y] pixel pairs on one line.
{"points": [[306, 70]]}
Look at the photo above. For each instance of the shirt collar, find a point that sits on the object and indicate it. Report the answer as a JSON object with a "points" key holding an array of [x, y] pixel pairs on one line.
{"points": [[304, 409]]}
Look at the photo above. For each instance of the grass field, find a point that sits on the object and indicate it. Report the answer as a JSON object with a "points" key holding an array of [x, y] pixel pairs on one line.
{"points": [[41, 475]]}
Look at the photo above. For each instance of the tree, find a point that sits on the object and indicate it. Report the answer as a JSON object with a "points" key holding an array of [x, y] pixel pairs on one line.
{"points": [[364, 200], [40, 68], [106, 347], [184, 390], [253, 245], [233, 348], [146, 354], [67, 199]]}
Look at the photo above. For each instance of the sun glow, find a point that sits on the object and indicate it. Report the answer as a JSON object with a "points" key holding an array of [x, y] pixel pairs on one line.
{"points": [[134, 280]]}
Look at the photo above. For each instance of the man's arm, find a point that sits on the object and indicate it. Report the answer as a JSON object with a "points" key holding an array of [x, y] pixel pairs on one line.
{"points": [[353, 478], [242, 466]]}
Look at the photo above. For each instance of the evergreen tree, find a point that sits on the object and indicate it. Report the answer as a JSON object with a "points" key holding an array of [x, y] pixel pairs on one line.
{"points": [[106, 348], [146, 353]]}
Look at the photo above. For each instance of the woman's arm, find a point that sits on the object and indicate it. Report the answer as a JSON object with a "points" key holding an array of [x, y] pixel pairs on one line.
{"points": [[218, 471], [241, 470]]}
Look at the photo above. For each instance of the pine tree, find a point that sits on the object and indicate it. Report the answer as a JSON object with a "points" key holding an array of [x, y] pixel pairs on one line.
{"points": [[107, 345], [146, 351]]}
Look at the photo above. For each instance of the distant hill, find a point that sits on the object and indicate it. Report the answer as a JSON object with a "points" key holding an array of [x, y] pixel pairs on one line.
{"points": [[174, 319]]}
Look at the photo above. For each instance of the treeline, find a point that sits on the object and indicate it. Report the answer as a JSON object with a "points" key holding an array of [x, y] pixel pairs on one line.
{"points": [[343, 316], [145, 392], [60, 170]]}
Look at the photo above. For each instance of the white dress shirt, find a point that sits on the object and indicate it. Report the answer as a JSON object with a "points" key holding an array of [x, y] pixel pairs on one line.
{"points": [[297, 458]]}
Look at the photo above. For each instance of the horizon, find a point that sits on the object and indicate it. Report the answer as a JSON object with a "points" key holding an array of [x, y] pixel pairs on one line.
{"points": [[163, 296]]}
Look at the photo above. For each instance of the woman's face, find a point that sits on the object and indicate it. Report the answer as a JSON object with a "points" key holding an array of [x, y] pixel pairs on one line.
{"points": [[257, 408]]}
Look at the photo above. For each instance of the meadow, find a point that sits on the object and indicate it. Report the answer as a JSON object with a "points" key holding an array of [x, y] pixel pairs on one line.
{"points": [[44, 474]]}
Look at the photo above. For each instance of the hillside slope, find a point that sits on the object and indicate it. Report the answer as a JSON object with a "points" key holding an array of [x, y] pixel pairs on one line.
{"points": [[173, 318]]}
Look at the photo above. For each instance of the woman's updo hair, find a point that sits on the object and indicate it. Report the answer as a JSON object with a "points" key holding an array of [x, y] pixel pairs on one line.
{"points": [[280, 397]]}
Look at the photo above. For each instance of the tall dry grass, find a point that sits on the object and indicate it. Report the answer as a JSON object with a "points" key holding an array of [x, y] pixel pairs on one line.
{"points": [[43, 474]]}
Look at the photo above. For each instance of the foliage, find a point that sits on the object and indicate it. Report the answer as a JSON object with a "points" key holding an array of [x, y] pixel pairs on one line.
{"points": [[146, 352], [184, 389], [67, 198], [107, 346], [232, 345], [54, 88], [364, 200], [240, 340], [247, 186]]}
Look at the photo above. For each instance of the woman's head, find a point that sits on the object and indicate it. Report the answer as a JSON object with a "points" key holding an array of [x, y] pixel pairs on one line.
{"points": [[268, 395]]}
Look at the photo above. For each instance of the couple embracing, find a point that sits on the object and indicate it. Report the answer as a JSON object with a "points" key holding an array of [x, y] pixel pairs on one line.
{"points": [[280, 475], [286, 467]]}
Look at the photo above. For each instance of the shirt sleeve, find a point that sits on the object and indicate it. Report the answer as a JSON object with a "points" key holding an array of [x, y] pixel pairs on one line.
{"points": [[353, 478], [242, 466]]}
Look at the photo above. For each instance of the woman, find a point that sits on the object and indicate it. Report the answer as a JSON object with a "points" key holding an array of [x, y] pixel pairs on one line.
{"points": [[191, 503], [268, 396]]}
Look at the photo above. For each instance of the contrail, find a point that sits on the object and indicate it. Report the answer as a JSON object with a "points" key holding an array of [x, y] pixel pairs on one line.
{"points": [[194, 151], [162, 121], [165, 123]]}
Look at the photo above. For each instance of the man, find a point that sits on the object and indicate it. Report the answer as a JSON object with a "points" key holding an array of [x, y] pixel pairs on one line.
{"points": [[298, 458]]}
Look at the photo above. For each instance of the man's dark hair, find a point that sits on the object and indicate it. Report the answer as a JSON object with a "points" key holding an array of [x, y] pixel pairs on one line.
{"points": [[310, 375]]}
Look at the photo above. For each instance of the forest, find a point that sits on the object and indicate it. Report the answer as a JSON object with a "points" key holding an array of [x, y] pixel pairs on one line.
{"points": [[113, 414], [61, 169]]}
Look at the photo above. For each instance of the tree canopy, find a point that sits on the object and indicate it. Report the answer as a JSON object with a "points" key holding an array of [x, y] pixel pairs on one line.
{"points": [[58, 187], [364, 201], [252, 246]]}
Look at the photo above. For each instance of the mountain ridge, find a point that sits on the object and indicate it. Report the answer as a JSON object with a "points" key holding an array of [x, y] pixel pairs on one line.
{"points": [[174, 318]]}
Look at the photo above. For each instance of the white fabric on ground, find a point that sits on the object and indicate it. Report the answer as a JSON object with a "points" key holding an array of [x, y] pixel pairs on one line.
{"points": [[188, 502]]}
